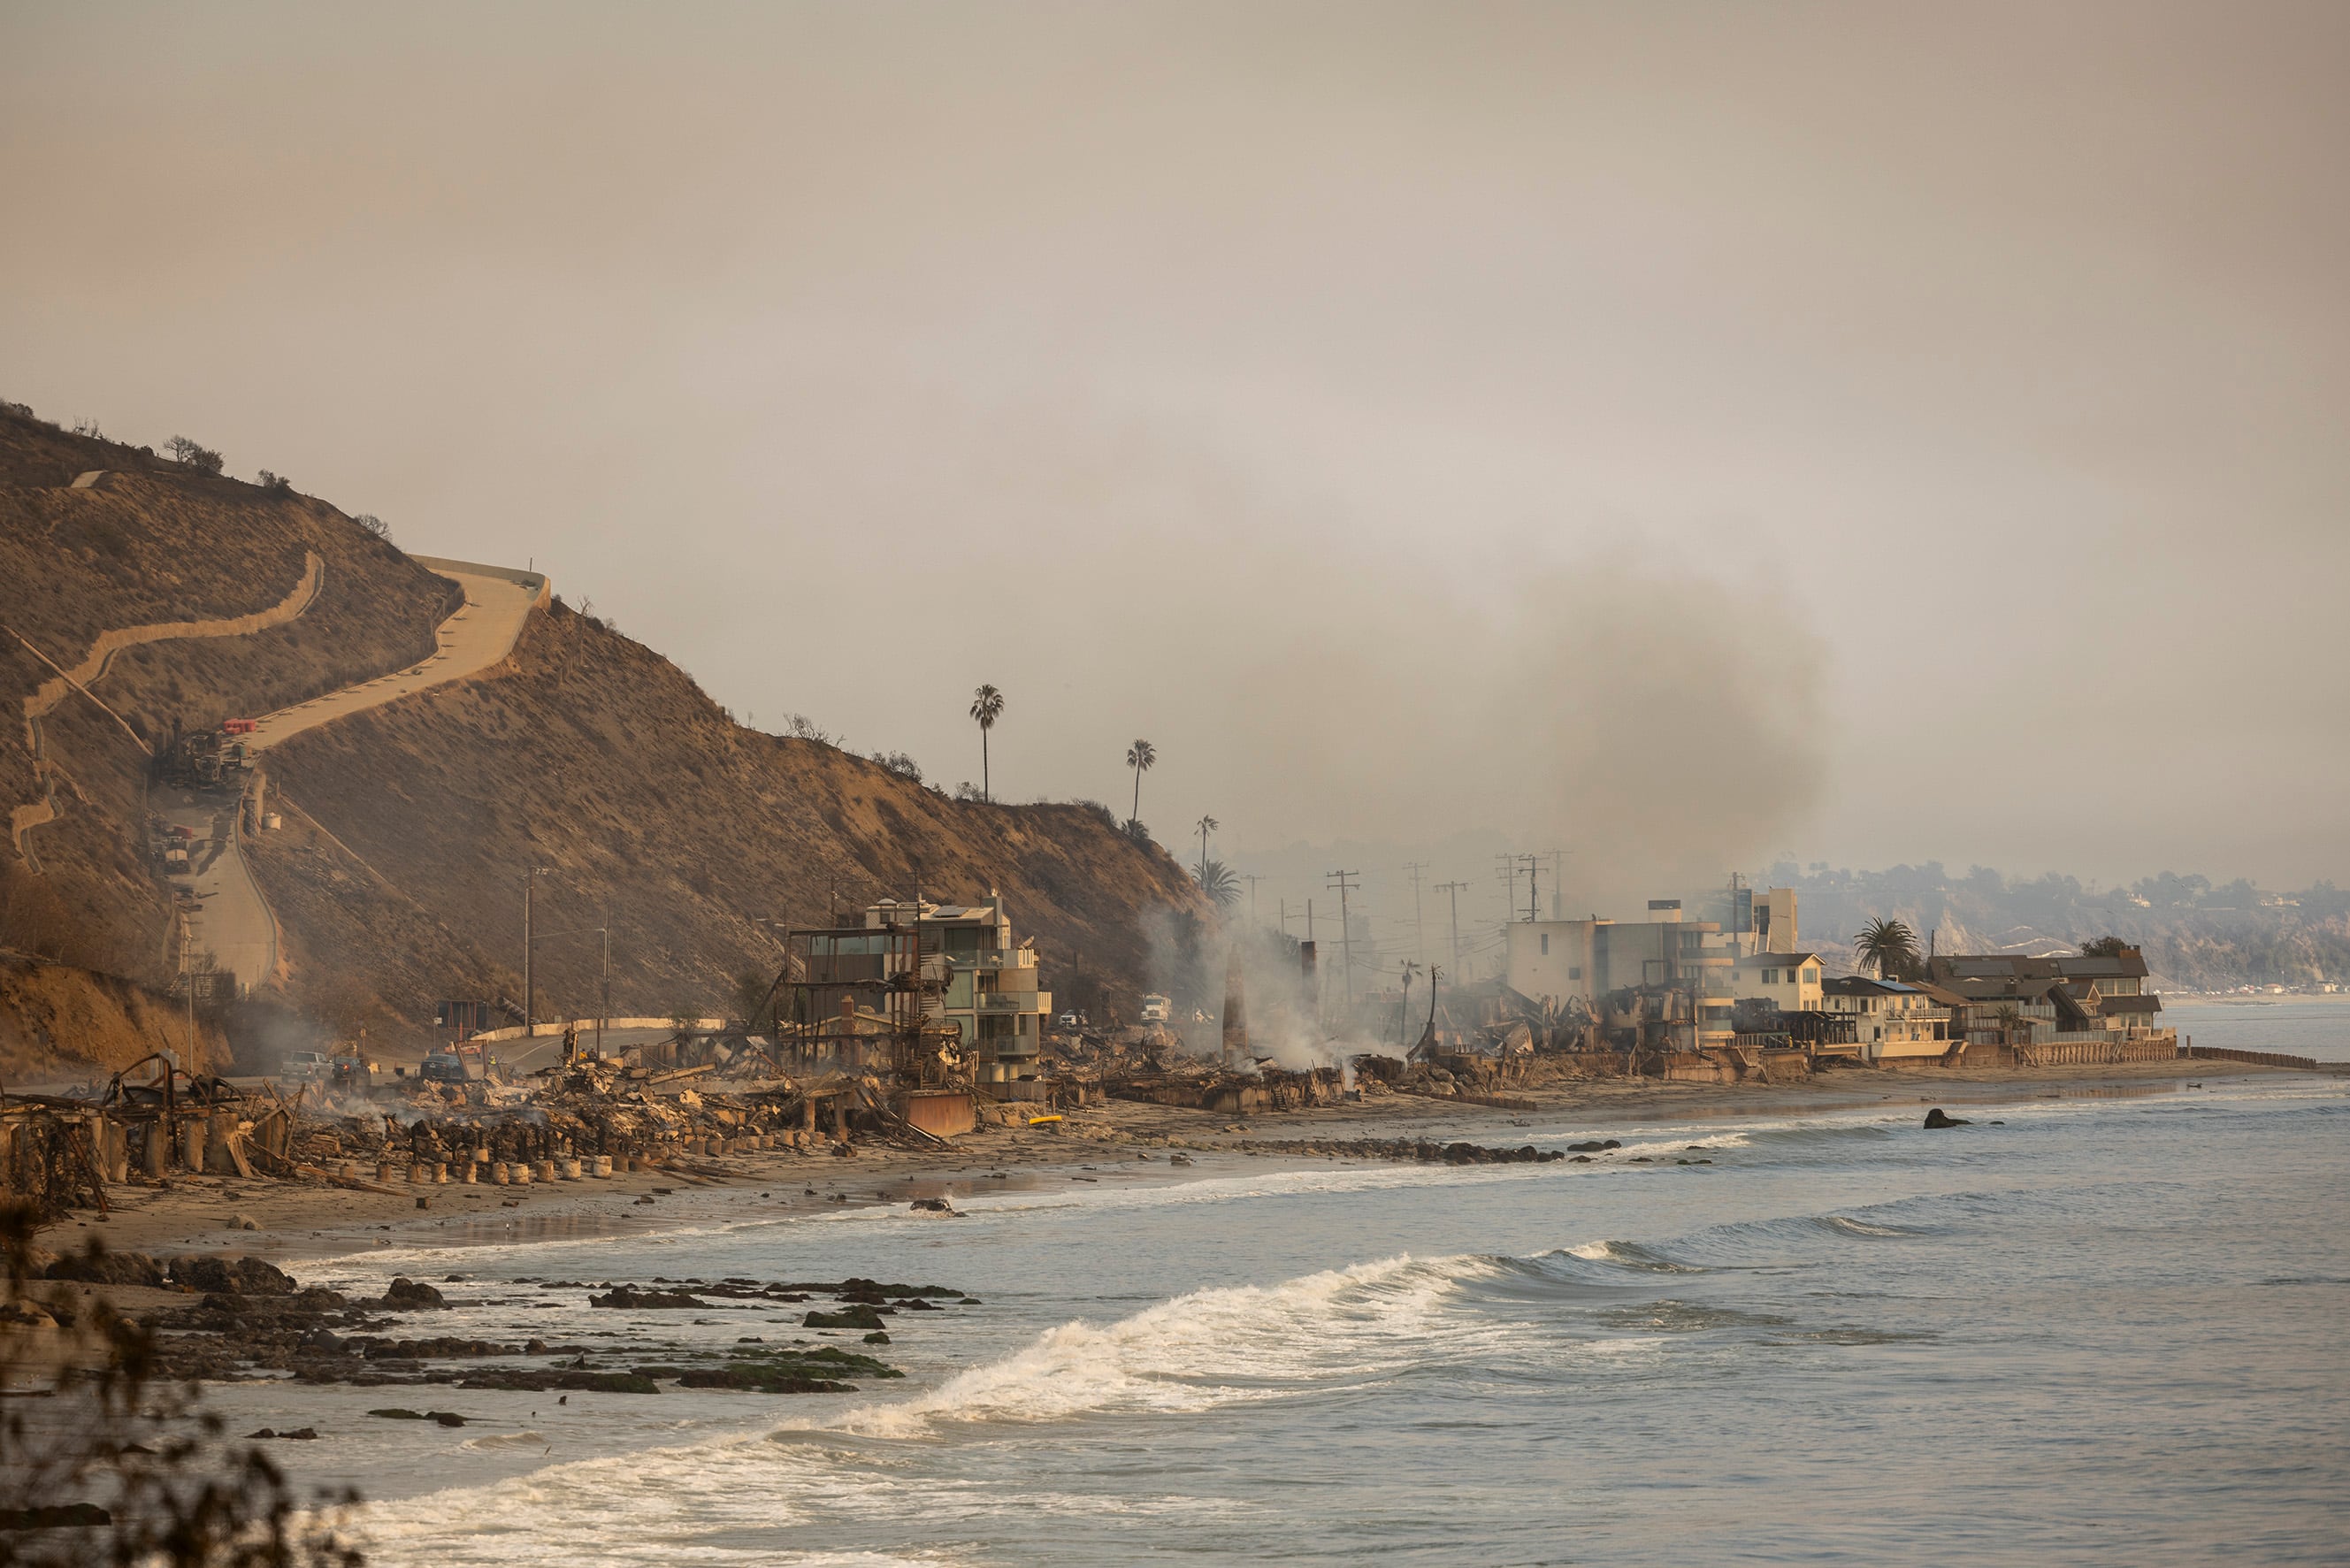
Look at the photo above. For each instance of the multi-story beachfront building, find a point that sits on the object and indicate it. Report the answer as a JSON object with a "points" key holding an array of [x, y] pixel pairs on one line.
{"points": [[992, 994]]}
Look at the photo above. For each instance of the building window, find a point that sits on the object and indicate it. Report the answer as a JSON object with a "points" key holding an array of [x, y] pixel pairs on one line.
{"points": [[1546, 944], [1574, 971], [1770, 977]]}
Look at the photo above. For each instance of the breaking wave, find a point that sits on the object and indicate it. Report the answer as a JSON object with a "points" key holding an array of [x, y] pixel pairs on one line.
{"points": [[1202, 1350]]}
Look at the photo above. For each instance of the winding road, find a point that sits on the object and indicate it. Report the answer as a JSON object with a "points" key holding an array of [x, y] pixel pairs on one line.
{"points": [[233, 927]]}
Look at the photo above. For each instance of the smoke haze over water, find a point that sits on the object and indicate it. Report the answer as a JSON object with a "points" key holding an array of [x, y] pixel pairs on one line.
{"points": [[1681, 436]]}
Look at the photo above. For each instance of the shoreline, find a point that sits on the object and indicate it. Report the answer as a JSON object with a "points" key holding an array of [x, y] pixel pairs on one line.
{"points": [[296, 1220]]}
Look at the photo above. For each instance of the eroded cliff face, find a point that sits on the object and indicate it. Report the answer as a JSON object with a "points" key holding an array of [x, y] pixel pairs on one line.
{"points": [[60, 1023]]}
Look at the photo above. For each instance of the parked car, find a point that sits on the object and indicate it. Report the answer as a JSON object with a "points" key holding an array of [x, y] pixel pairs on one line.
{"points": [[1066, 1021], [311, 1065], [444, 1068]]}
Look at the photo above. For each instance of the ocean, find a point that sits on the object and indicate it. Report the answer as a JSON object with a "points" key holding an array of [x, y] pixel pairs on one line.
{"points": [[2296, 1026], [2090, 1328]]}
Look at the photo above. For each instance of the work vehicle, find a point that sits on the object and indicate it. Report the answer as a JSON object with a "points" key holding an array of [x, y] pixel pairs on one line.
{"points": [[442, 1067], [304, 1065], [1156, 1009]]}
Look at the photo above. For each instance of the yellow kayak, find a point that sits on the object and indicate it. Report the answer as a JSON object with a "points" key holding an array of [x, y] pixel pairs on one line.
{"points": [[1040, 1121]]}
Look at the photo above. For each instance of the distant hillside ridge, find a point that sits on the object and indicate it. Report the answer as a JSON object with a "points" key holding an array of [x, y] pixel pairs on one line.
{"points": [[2194, 934], [397, 878]]}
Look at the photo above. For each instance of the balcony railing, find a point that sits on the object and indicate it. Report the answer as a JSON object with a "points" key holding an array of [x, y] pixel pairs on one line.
{"points": [[1007, 1002], [995, 958]]}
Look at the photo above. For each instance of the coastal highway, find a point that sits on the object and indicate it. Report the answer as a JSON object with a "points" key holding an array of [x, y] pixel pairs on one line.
{"points": [[234, 931]]}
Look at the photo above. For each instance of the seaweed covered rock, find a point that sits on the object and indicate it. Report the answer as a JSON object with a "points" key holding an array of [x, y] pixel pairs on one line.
{"points": [[856, 1317], [623, 1297]]}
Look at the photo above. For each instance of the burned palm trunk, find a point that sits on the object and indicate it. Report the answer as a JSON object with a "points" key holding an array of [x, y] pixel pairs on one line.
{"points": [[1236, 1040]]}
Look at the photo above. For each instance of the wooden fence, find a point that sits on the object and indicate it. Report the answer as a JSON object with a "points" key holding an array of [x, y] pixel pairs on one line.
{"points": [[2257, 1058], [2096, 1053]]}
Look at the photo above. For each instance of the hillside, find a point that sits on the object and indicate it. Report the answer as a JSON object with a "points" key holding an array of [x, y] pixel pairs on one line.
{"points": [[397, 879], [153, 543], [603, 764]]}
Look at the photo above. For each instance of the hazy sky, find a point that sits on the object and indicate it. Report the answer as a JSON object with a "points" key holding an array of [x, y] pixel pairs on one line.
{"points": [[1684, 434]]}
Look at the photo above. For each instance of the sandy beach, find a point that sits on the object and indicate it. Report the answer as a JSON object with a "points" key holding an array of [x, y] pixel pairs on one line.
{"points": [[1122, 1140]]}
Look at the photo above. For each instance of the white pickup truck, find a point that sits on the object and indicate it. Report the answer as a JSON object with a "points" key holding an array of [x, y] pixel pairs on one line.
{"points": [[1156, 1009]]}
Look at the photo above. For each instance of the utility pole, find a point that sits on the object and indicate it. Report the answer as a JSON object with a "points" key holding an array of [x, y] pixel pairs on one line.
{"points": [[1453, 888], [1533, 897], [1252, 881], [1418, 933], [606, 933], [529, 953], [188, 972], [530, 949], [1509, 874], [1344, 882]]}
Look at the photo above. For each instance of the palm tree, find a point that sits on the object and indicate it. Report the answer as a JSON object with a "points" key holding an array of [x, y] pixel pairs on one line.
{"points": [[1887, 944], [986, 706], [1140, 756], [1207, 825], [1216, 880]]}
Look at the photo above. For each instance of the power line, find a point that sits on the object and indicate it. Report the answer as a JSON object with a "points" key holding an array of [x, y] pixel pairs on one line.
{"points": [[1454, 888], [1419, 935], [1344, 882]]}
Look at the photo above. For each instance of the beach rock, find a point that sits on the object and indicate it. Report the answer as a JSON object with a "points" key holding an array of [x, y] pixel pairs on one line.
{"points": [[548, 1382], [932, 1206], [404, 1295], [1594, 1145], [1937, 1119], [857, 1316], [241, 1223], [876, 1338], [25, 1315], [758, 1380], [622, 1297], [299, 1435], [445, 1417], [232, 1276], [109, 1269]]}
